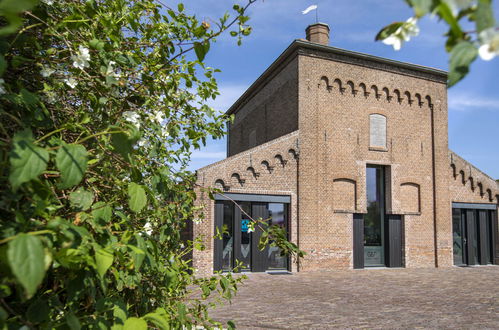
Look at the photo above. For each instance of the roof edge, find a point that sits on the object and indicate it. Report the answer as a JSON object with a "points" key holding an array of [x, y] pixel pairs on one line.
{"points": [[301, 43]]}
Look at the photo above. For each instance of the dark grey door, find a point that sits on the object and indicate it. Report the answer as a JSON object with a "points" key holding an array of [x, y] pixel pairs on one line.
{"points": [[474, 236], [358, 241], [495, 237], [471, 240], [459, 245], [484, 242], [394, 241]]}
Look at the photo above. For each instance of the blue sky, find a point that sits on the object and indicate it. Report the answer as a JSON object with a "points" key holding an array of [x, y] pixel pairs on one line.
{"points": [[473, 103]]}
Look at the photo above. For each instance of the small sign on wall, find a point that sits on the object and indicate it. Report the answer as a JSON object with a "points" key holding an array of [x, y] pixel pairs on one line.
{"points": [[244, 225]]}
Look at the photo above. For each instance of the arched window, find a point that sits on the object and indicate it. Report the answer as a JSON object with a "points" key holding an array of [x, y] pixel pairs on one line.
{"points": [[377, 131]]}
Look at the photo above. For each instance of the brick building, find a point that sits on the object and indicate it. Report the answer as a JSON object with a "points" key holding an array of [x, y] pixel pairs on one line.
{"points": [[349, 152]]}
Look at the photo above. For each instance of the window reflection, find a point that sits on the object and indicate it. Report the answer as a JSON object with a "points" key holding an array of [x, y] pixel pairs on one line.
{"points": [[245, 256], [374, 219], [277, 217], [272, 259], [227, 238]]}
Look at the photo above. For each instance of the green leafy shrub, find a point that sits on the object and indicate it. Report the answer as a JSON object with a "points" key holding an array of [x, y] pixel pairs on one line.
{"points": [[101, 104]]}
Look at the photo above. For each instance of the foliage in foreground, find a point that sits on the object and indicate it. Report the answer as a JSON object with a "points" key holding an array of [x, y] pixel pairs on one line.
{"points": [[463, 45], [101, 104]]}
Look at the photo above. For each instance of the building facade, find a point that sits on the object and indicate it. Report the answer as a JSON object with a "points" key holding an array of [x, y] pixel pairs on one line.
{"points": [[349, 153]]}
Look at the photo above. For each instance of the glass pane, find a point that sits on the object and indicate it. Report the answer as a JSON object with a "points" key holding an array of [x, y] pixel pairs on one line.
{"points": [[457, 233], [277, 213], [245, 235], [228, 239], [374, 219]]}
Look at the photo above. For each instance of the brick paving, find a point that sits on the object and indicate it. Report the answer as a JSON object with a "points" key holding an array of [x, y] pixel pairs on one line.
{"points": [[458, 298]]}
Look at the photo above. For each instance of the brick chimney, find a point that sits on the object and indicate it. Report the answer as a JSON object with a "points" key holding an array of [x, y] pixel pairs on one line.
{"points": [[318, 33]]}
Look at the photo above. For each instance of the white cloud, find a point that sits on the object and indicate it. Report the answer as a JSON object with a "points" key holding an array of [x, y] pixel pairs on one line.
{"points": [[228, 95], [472, 103], [208, 154]]}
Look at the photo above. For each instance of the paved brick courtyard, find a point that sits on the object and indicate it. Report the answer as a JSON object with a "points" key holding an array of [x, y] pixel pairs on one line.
{"points": [[376, 298]]}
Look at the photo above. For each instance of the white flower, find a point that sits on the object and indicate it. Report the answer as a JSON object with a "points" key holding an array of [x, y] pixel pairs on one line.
{"points": [[403, 33], [148, 228], [393, 40], [47, 71], [489, 40], [50, 97], [81, 59], [164, 131], [48, 2], [132, 117], [250, 230], [196, 221], [71, 82], [2, 87], [110, 70], [143, 143], [158, 117], [182, 245]]}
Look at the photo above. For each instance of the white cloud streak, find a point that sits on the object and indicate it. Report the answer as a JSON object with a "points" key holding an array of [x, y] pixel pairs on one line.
{"points": [[472, 103]]}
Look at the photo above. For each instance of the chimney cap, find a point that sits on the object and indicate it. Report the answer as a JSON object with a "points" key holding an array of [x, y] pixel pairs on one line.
{"points": [[318, 33], [319, 23]]}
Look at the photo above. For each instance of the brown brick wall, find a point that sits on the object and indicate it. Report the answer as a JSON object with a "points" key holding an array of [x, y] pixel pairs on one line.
{"points": [[269, 169], [335, 101], [470, 185], [269, 113]]}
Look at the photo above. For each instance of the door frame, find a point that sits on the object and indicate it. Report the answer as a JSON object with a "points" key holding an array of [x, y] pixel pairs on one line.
{"points": [[482, 219], [258, 208]]}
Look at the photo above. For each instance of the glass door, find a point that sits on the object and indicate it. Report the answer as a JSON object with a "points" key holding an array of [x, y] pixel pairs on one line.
{"points": [[374, 220], [458, 237], [236, 245]]}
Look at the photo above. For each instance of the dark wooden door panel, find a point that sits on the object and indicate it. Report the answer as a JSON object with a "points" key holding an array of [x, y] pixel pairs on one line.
{"points": [[358, 241], [394, 241]]}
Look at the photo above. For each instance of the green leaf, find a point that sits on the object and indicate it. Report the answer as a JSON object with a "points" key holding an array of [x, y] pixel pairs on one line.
{"points": [[159, 320], [26, 259], [388, 31], [102, 212], [72, 321], [3, 315], [27, 161], [71, 160], [81, 199], [231, 325], [3, 65], [446, 14], [201, 49], [137, 197], [96, 44], [484, 16], [38, 311], [421, 7], [103, 260], [28, 98], [462, 55], [10, 9], [122, 144], [138, 256], [134, 323]]}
